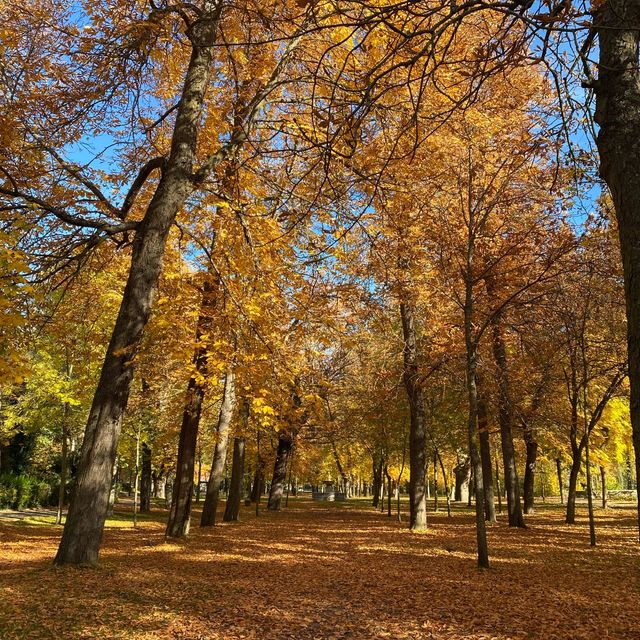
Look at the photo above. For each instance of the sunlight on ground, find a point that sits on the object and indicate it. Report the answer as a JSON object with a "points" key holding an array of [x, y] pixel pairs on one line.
{"points": [[336, 573]]}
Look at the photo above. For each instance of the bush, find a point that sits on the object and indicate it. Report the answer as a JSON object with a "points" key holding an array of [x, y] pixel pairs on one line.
{"points": [[23, 492]]}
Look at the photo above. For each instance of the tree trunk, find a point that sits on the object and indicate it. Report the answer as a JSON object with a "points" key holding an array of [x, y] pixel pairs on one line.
{"points": [[603, 482], [485, 456], [573, 484], [446, 483], [232, 508], [498, 487], [84, 525], [462, 473], [559, 472], [377, 481], [210, 506], [592, 520], [145, 484], [64, 462], [180, 511], [511, 481], [435, 480], [159, 482], [617, 91], [285, 443], [529, 471], [471, 349], [417, 431], [389, 492]]}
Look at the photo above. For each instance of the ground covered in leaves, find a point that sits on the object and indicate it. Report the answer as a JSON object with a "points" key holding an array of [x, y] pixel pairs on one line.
{"points": [[318, 571]]}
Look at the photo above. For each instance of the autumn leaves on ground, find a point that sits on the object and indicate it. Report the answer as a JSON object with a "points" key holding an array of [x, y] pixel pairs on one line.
{"points": [[328, 571]]}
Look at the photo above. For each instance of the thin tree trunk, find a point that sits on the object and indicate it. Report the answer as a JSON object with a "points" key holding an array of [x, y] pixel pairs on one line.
{"points": [[210, 506], [559, 472], [137, 480], [64, 462], [417, 430], [285, 443], [389, 493], [485, 456], [511, 481], [286, 501], [232, 508], [529, 470], [435, 480], [617, 91], [498, 487], [603, 482], [85, 520], [145, 484], [377, 480], [573, 484], [446, 484], [592, 521]]}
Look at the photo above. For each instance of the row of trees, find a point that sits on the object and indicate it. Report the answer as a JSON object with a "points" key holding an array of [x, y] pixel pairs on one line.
{"points": [[348, 228]]}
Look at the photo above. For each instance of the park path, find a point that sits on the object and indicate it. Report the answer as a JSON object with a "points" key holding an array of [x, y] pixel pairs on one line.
{"points": [[10, 514], [328, 572]]}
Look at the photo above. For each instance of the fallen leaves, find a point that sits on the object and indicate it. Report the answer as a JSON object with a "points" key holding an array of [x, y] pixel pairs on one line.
{"points": [[328, 572]]}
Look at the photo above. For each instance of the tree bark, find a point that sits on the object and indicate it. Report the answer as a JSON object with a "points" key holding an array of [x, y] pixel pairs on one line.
{"points": [[232, 508], [617, 91], [285, 443], [485, 456], [471, 349], [145, 484], [559, 472], [529, 470], [573, 484], [377, 480], [210, 507], [180, 511], [64, 462], [417, 430], [84, 525], [435, 480], [505, 418], [603, 482], [462, 473]]}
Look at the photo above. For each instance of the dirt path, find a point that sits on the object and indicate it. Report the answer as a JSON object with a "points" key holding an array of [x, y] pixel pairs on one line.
{"points": [[328, 572]]}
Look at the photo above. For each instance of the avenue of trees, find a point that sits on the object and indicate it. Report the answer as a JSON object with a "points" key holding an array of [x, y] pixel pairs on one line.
{"points": [[393, 244]]}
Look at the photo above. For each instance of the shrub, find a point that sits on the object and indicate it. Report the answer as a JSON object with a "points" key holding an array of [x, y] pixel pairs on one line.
{"points": [[23, 492]]}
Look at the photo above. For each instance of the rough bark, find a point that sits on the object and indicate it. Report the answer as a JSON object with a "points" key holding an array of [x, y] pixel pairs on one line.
{"points": [[232, 508], [462, 475], [180, 511], [84, 525], [617, 91], [603, 484], [505, 419], [285, 442], [159, 482], [576, 461], [210, 506], [471, 349], [485, 456], [145, 483], [417, 427]]}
